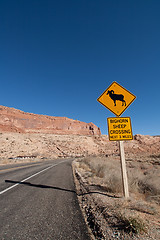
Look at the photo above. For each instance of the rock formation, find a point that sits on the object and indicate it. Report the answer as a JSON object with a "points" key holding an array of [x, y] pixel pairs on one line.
{"points": [[13, 120], [50, 146], [26, 135]]}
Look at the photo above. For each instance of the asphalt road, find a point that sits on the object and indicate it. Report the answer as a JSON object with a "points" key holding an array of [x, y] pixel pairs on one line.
{"points": [[39, 201]]}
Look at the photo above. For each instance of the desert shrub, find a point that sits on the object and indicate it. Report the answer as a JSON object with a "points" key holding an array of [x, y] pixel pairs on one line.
{"points": [[100, 171], [135, 176], [149, 185], [107, 169], [131, 224], [141, 180], [143, 206], [96, 166], [113, 179]]}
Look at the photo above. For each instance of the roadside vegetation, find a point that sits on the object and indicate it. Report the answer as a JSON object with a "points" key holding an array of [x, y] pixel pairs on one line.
{"points": [[143, 175], [140, 214]]}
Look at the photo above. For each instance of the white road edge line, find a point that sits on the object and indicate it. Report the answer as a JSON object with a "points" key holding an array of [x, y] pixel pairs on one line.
{"points": [[7, 189]]}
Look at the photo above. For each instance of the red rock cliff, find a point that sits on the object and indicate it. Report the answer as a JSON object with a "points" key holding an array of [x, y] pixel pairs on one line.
{"points": [[13, 120]]}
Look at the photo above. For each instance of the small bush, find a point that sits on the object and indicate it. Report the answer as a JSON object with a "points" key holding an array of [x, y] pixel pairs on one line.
{"points": [[135, 176], [113, 179], [100, 171], [131, 224]]}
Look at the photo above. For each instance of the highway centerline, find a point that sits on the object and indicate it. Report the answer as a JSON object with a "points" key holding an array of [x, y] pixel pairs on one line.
{"points": [[9, 188]]}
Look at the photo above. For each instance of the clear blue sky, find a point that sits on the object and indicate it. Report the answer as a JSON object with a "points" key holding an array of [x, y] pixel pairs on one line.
{"points": [[58, 56]]}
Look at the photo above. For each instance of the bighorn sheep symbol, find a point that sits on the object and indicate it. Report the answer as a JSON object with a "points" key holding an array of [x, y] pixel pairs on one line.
{"points": [[116, 97]]}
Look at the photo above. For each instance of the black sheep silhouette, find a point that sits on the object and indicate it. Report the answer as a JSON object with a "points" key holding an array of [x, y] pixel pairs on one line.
{"points": [[116, 97]]}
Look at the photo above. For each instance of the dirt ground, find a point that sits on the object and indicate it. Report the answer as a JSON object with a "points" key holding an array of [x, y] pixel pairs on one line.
{"points": [[40, 145], [108, 214]]}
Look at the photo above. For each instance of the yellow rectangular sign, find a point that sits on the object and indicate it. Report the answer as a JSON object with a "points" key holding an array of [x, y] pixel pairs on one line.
{"points": [[119, 129]]}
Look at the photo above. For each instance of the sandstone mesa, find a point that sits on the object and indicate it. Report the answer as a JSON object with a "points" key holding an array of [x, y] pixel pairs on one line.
{"points": [[13, 120], [26, 135]]}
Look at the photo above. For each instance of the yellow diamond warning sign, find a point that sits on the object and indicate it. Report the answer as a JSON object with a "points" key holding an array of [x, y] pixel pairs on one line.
{"points": [[119, 129], [116, 98]]}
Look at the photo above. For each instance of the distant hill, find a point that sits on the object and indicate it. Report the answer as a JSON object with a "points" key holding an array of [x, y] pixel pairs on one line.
{"points": [[13, 120]]}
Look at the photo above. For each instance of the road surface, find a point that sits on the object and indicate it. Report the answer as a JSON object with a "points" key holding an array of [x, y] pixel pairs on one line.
{"points": [[39, 201]]}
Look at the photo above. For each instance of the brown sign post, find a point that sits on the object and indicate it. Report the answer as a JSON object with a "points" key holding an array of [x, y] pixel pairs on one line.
{"points": [[116, 98]]}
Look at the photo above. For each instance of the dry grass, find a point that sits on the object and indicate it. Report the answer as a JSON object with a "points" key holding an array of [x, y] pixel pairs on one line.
{"points": [[143, 177], [135, 218]]}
